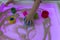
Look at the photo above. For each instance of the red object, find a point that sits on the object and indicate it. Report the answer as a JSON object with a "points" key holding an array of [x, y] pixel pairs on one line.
{"points": [[45, 14], [25, 13]]}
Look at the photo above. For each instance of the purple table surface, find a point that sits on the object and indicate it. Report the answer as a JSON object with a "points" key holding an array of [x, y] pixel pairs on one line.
{"points": [[53, 14]]}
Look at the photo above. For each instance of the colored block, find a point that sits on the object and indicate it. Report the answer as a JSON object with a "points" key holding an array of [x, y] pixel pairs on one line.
{"points": [[45, 14], [25, 13], [13, 10], [36, 16], [11, 19]]}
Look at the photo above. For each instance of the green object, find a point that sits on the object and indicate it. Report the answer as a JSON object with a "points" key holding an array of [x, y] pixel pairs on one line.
{"points": [[36, 16], [13, 10]]}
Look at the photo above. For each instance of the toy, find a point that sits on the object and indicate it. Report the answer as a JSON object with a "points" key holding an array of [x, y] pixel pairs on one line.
{"points": [[45, 14], [13, 10], [25, 13], [29, 22], [11, 19], [36, 16]]}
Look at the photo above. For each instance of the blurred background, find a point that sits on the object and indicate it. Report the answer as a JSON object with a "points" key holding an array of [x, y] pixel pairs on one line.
{"points": [[31, 1]]}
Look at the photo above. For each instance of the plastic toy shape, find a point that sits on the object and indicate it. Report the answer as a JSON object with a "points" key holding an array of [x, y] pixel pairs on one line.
{"points": [[45, 14], [11, 19], [36, 16], [13, 10], [25, 13]]}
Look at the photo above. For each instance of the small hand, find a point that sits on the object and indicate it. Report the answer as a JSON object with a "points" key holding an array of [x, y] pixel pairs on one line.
{"points": [[29, 18]]}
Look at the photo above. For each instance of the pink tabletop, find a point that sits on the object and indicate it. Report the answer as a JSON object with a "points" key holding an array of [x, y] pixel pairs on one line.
{"points": [[52, 8]]}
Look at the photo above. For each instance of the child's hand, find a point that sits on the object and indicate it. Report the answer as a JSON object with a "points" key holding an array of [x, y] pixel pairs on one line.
{"points": [[33, 10], [30, 18]]}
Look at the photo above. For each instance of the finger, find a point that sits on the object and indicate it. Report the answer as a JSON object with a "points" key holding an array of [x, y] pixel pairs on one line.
{"points": [[32, 22], [25, 19], [29, 23]]}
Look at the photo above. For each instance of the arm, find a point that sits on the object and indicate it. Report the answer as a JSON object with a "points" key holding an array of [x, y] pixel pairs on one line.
{"points": [[9, 1], [35, 6]]}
